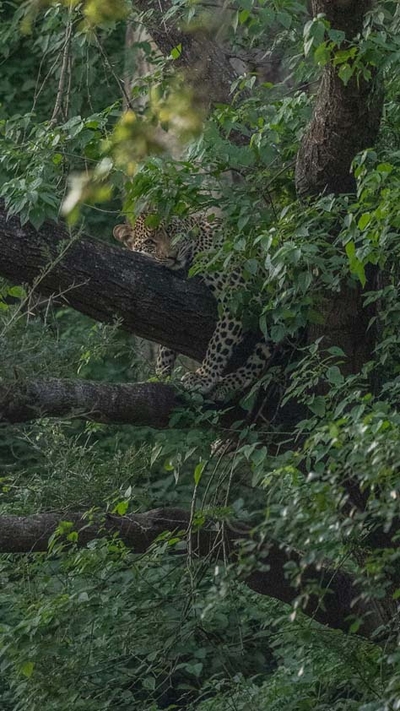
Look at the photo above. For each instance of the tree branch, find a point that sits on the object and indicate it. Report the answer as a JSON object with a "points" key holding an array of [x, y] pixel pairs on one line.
{"points": [[108, 284], [144, 404], [63, 75], [341, 604]]}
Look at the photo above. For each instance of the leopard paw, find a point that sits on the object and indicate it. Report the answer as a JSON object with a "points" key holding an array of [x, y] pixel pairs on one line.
{"points": [[222, 393]]}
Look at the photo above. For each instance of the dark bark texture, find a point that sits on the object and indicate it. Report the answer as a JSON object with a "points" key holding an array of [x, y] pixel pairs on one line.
{"points": [[203, 59], [346, 118], [144, 404], [29, 534], [109, 284]]}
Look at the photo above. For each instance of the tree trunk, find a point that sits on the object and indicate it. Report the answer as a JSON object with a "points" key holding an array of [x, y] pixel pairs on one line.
{"points": [[346, 117], [203, 58], [345, 120]]}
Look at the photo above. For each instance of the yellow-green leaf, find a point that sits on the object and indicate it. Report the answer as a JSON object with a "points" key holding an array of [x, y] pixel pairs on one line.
{"points": [[198, 472], [27, 669], [176, 51]]}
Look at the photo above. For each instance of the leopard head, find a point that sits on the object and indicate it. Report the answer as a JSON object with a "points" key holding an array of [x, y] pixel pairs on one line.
{"points": [[160, 243]]}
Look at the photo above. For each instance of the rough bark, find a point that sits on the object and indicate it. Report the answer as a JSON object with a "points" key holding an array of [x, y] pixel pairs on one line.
{"points": [[144, 404], [203, 57], [109, 284], [346, 118], [29, 534]]}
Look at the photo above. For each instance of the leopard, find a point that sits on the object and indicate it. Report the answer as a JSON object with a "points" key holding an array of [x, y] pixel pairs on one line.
{"points": [[178, 245]]}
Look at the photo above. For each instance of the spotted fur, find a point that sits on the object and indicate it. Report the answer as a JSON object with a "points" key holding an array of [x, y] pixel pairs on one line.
{"points": [[177, 246]]}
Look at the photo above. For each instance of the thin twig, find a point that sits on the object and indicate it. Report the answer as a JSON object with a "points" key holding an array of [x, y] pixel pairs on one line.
{"points": [[63, 75], [111, 69], [68, 93]]}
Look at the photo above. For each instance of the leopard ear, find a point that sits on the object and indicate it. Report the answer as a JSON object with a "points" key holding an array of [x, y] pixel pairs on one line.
{"points": [[122, 232]]}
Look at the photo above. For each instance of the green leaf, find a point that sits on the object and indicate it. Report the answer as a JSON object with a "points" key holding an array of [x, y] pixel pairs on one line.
{"points": [[359, 272], [364, 220], [284, 18], [57, 158], [336, 36], [198, 472], [251, 266], [176, 51], [384, 168], [345, 73], [243, 221], [315, 316], [336, 351], [27, 669], [173, 541], [350, 250], [152, 221], [334, 375], [83, 596], [194, 669], [308, 45], [317, 405], [355, 626], [278, 333], [121, 508], [37, 217], [263, 325], [17, 291], [322, 54], [356, 266]]}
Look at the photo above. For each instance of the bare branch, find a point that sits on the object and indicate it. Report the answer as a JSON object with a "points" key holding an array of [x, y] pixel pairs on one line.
{"points": [[63, 75], [144, 404]]}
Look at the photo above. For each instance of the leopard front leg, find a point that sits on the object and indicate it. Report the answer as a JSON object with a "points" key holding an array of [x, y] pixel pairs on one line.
{"points": [[228, 332], [165, 361], [245, 376]]}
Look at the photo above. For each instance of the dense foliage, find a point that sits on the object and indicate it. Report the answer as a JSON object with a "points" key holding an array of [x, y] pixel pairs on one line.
{"points": [[102, 628]]}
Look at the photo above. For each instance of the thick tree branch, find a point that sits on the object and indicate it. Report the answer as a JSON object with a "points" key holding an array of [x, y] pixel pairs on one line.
{"points": [[108, 284], [341, 601], [143, 404]]}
